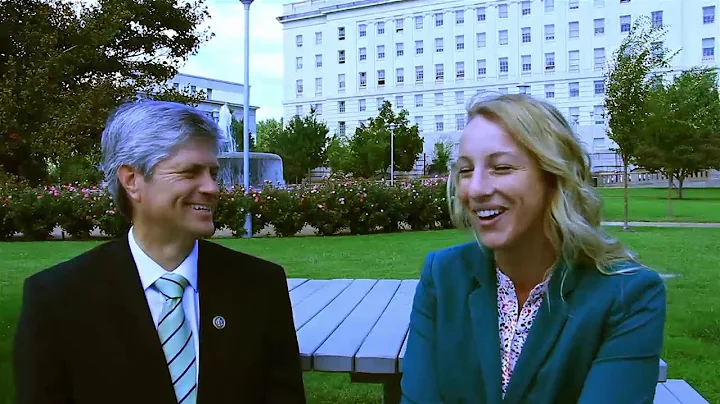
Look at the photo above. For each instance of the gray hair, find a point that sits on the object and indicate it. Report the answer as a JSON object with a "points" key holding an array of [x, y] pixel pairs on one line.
{"points": [[142, 134]]}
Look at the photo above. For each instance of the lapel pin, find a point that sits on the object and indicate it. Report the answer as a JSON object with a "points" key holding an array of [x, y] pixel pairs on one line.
{"points": [[219, 322]]}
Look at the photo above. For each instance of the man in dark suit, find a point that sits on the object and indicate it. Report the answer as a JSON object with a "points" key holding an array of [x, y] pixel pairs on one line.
{"points": [[160, 315]]}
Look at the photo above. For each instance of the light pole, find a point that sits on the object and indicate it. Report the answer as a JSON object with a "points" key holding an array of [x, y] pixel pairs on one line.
{"points": [[392, 153], [246, 117]]}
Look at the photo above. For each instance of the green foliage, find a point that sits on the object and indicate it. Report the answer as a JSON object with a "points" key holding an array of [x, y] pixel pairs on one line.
{"points": [[441, 159], [370, 146], [632, 70], [66, 64], [682, 133], [339, 155], [361, 206], [237, 129], [269, 134]]}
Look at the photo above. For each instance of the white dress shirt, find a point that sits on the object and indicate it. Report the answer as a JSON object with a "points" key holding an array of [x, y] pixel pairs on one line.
{"points": [[150, 272]]}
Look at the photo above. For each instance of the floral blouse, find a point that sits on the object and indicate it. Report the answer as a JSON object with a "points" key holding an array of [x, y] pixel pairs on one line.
{"points": [[514, 328]]}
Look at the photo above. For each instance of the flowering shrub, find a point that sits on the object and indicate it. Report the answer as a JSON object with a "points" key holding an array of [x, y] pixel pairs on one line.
{"points": [[360, 206]]}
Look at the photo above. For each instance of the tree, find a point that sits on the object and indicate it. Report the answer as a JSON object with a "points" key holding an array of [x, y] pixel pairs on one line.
{"points": [[682, 133], [370, 146], [339, 155], [65, 65], [269, 133], [304, 147], [441, 157], [628, 80], [238, 128]]}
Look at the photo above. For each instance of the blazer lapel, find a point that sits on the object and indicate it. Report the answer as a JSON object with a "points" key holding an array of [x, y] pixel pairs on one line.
{"points": [[134, 333], [546, 327], [484, 317]]}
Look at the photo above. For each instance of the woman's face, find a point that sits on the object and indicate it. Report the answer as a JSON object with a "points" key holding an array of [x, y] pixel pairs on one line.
{"points": [[501, 186]]}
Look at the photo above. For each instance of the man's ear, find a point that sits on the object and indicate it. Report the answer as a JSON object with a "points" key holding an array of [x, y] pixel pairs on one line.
{"points": [[131, 180]]}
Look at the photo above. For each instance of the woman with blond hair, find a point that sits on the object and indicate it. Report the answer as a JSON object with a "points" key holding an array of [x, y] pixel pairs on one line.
{"points": [[544, 307]]}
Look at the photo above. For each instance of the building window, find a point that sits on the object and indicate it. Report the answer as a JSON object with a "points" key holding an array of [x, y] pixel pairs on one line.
{"points": [[504, 66], [381, 52], [362, 79], [460, 17], [381, 78], [399, 24], [439, 127], [298, 110], [318, 86], [459, 70], [341, 33], [624, 23], [550, 62], [481, 68], [341, 128], [380, 101], [341, 107], [526, 64], [503, 37], [459, 122], [574, 89], [341, 82], [298, 41], [341, 57], [419, 74], [419, 123], [362, 106], [418, 100], [481, 39], [460, 42], [708, 49], [400, 75], [549, 90], [439, 72], [599, 86], [599, 114], [708, 14], [502, 10], [438, 99], [549, 32], [574, 61], [362, 30], [362, 54], [459, 97], [419, 22], [298, 63], [438, 19], [481, 16], [549, 6], [599, 25], [318, 38], [299, 87], [418, 47], [574, 30], [525, 7], [599, 58], [526, 35], [209, 94], [317, 108], [318, 60], [439, 45], [399, 49], [574, 4], [380, 28], [399, 101], [657, 18]]}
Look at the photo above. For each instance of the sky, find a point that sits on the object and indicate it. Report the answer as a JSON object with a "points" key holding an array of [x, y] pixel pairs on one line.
{"points": [[222, 56]]}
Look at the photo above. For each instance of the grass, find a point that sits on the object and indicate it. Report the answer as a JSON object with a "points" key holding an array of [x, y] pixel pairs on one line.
{"points": [[692, 344], [650, 205]]}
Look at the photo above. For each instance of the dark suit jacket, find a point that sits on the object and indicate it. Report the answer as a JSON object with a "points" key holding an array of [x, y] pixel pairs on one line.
{"points": [[596, 339], [85, 333]]}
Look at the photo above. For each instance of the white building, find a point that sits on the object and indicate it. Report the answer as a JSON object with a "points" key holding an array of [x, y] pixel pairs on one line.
{"points": [[218, 93], [429, 57]]}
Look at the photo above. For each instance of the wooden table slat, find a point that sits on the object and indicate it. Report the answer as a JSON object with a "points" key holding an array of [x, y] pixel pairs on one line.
{"points": [[402, 354], [663, 371], [337, 353], [310, 307], [379, 352], [301, 292], [317, 330], [663, 395], [684, 393], [295, 282]]}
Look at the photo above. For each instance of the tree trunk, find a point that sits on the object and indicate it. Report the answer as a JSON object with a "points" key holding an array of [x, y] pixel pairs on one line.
{"points": [[681, 181], [626, 226], [669, 200]]}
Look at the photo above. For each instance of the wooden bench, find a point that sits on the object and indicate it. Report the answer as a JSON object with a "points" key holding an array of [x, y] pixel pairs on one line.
{"points": [[359, 327]]}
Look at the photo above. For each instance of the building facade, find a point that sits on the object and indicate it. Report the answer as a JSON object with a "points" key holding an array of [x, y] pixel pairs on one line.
{"points": [[218, 93], [344, 58]]}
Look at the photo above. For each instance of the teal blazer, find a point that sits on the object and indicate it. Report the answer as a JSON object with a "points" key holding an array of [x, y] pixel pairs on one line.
{"points": [[596, 339]]}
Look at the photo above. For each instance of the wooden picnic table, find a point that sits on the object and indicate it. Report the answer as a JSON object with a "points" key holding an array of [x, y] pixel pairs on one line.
{"points": [[359, 327]]}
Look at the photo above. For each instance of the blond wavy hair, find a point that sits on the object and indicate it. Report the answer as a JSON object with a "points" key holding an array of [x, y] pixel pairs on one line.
{"points": [[573, 219]]}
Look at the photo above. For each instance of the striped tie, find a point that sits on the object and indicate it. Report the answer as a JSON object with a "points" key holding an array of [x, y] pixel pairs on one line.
{"points": [[176, 338]]}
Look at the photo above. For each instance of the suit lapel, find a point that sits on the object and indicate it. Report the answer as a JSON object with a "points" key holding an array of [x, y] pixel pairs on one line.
{"points": [[134, 334], [484, 317], [547, 326]]}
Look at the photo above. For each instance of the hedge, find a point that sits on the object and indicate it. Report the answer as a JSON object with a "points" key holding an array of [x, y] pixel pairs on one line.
{"points": [[331, 207]]}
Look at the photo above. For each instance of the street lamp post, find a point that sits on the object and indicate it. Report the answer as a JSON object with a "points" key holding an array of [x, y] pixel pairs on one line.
{"points": [[246, 117], [392, 153]]}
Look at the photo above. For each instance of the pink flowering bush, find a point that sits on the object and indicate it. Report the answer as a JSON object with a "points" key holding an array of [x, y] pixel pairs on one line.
{"points": [[360, 206]]}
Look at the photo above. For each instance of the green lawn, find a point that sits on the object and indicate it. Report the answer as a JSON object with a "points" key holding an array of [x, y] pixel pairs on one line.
{"points": [[693, 331], [650, 205]]}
